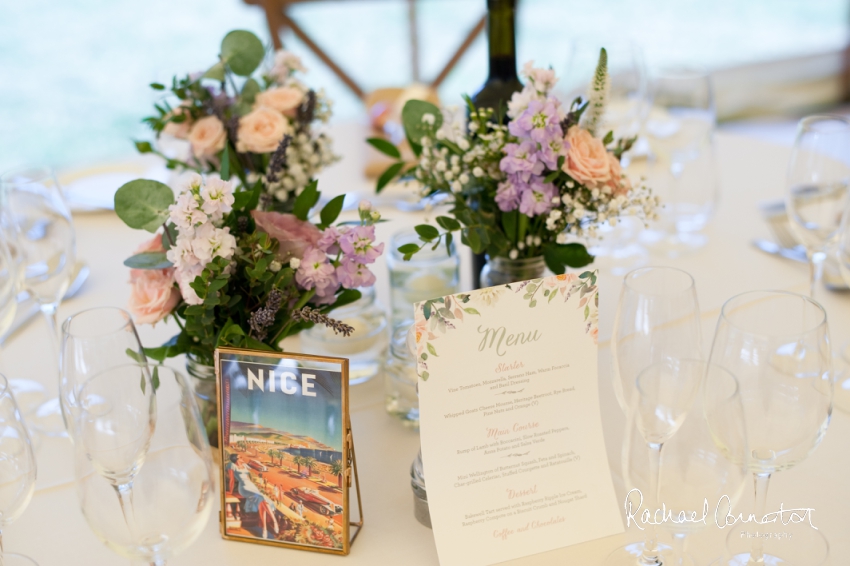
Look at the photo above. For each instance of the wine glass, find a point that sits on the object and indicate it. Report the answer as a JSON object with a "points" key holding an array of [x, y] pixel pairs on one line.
{"points": [[777, 346], [46, 243], [8, 284], [174, 486], [844, 246], [94, 341], [817, 187], [657, 319], [681, 166], [666, 392], [17, 468]]}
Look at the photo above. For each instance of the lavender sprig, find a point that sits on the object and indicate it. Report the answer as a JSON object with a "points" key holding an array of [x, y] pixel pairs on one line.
{"points": [[262, 318], [307, 111], [308, 314], [277, 162]]}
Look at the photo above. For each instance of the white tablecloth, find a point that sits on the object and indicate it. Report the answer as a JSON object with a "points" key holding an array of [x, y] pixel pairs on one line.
{"points": [[53, 530]]}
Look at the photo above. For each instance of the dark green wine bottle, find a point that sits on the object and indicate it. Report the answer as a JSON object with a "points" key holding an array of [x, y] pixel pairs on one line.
{"points": [[502, 81]]}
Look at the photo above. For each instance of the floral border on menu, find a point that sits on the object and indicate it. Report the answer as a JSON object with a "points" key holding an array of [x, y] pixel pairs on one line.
{"points": [[435, 317]]}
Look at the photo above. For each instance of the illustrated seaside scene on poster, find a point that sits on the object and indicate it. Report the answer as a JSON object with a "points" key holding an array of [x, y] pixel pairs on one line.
{"points": [[283, 453]]}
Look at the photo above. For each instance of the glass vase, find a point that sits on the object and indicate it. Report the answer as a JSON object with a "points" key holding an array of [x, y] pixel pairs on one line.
{"points": [[203, 384], [365, 349], [400, 378], [501, 270]]}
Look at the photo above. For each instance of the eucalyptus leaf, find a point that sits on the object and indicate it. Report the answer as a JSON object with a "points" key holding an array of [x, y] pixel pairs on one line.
{"points": [[216, 72], [411, 118], [250, 90], [148, 260], [143, 204], [242, 51]]}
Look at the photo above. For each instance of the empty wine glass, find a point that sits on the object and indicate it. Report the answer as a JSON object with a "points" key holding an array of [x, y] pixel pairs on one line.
{"points": [[776, 344], [94, 341], [681, 168], [173, 488], [657, 319], [817, 187], [17, 469], [844, 246], [8, 285], [46, 242], [666, 393]]}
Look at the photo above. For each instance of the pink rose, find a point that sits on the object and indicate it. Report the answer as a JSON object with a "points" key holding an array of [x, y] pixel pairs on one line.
{"points": [[285, 100], [587, 159], [293, 234], [261, 130], [207, 137], [153, 295], [619, 183]]}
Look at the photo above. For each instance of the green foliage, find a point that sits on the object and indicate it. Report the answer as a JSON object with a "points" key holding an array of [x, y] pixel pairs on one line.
{"points": [[143, 204], [331, 211], [388, 175], [560, 256], [242, 52], [427, 232], [414, 127], [148, 260], [384, 147], [306, 200]]}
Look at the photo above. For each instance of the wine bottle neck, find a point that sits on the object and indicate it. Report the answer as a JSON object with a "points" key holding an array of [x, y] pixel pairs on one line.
{"points": [[500, 31]]}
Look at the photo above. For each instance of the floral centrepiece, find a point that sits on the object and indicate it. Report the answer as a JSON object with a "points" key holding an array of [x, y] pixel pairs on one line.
{"points": [[527, 188], [265, 129], [231, 275]]}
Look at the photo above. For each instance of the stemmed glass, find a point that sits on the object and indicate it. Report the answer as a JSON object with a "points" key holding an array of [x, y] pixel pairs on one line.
{"points": [[681, 168], [17, 468], [776, 344], [692, 471], [657, 338], [173, 487], [657, 319], [666, 393], [93, 341], [817, 187], [46, 243]]}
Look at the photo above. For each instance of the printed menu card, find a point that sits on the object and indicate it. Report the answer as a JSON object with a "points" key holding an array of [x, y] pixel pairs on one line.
{"points": [[511, 430]]}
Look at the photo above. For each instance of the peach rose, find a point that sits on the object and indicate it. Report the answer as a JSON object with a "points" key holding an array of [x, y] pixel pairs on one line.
{"points": [[587, 159], [619, 183], [283, 99], [261, 130], [179, 130], [153, 295], [207, 137]]}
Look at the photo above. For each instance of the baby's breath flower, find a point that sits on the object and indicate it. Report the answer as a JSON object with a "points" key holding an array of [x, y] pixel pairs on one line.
{"points": [[295, 263], [513, 254]]}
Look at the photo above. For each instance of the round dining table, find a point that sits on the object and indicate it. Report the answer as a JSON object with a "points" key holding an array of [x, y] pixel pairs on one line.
{"points": [[53, 530]]}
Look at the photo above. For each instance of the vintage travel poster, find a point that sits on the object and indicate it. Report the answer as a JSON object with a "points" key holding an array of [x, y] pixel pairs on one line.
{"points": [[283, 428]]}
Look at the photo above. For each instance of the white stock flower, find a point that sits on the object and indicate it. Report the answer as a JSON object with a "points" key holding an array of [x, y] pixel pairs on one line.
{"points": [[217, 198], [184, 278], [181, 254], [186, 213], [210, 242]]}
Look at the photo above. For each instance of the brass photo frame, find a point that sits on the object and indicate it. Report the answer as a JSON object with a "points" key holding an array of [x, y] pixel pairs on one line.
{"points": [[291, 415]]}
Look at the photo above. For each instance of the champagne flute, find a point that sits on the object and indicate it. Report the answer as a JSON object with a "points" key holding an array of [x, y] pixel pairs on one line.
{"points": [[17, 469], [817, 187], [777, 346], [94, 341], [173, 491], [46, 243], [692, 471], [666, 393]]}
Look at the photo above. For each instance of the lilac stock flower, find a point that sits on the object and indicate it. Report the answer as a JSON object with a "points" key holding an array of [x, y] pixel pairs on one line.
{"points": [[507, 195], [316, 272], [352, 274], [521, 158], [329, 242], [358, 243], [536, 197], [539, 121], [551, 151]]}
